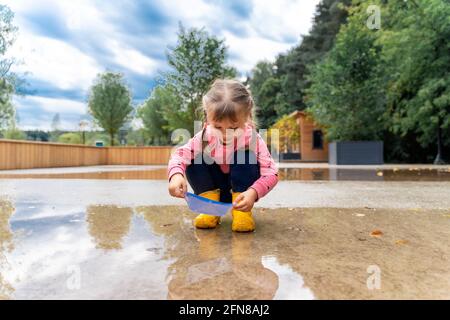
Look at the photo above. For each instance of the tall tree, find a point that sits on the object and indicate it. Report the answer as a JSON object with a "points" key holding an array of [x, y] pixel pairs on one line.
{"points": [[110, 102], [56, 122], [293, 66], [264, 87], [267, 99], [290, 69], [6, 106], [56, 127], [416, 49], [162, 100], [196, 61], [347, 92], [8, 79]]}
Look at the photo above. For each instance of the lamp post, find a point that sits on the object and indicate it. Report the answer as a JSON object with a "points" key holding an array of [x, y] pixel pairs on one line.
{"points": [[83, 125]]}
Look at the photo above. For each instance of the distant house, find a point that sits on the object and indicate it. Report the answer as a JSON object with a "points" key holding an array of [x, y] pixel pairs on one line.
{"points": [[313, 146]]}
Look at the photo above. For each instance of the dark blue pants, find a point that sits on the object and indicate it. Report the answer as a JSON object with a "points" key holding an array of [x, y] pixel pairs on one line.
{"points": [[206, 175]]}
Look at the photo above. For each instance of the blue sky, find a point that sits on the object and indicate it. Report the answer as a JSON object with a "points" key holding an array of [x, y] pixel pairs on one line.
{"points": [[64, 44]]}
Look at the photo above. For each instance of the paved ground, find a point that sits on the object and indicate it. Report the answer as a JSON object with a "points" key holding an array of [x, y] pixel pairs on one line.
{"points": [[280, 165], [337, 194], [89, 238]]}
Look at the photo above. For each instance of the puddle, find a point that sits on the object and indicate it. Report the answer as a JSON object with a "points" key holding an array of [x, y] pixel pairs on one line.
{"points": [[291, 284], [153, 252], [156, 174], [342, 174], [303, 174]]}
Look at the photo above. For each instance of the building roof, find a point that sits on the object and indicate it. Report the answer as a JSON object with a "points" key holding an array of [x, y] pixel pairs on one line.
{"points": [[297, 113]]}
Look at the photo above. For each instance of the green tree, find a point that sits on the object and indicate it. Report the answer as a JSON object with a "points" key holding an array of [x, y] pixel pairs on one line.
{"points": [[289, 132], [292, 68], [6, 106], [136, 137], [196, 61], [110, 102], [347, 93], [264, 87], [267, 98], [8, 80], [70, 137], [162, 102], [13, 132], [416, 49], [93, 136], [56, 127]]}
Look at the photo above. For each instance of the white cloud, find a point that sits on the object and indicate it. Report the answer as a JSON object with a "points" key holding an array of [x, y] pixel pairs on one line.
{"points": [[252, 49], [131, 59], [205, 14], [265, 32], [37, 112], [54, 61], [52, 105], [282, 19]]}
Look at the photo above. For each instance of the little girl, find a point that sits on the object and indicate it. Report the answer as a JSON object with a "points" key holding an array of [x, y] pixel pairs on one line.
{"points": [[227, 160]]}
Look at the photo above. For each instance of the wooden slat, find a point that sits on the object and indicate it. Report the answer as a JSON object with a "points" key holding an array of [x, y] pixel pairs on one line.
{"points": [[29, 154]]}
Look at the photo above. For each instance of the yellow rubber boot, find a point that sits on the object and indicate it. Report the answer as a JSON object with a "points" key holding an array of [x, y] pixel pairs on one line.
{"points": [[205, 221], [242, 221]]}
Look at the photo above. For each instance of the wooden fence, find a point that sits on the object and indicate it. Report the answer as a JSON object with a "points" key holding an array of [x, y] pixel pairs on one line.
{"points": [[15, 154]]}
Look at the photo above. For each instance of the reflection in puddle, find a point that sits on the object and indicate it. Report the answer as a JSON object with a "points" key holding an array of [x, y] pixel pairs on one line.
{"points": [[157, 254], [156, 174], [6, 245], [304, 174], [342, 174], [207, 270], [108, 225], [292, 286], [209, 264]]}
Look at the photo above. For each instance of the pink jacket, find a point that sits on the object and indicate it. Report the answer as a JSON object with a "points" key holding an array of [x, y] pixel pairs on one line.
{"points": [[223, 155]]}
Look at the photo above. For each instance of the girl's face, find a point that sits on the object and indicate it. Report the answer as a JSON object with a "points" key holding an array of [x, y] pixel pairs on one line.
{"points": [[226, 130]]}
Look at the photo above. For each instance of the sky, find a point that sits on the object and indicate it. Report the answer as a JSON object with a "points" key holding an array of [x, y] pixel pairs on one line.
{"points": [[62, 45]]}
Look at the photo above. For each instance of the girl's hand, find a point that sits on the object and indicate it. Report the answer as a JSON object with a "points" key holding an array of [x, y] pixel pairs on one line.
{"points": [[177, 186], [246, 200]]}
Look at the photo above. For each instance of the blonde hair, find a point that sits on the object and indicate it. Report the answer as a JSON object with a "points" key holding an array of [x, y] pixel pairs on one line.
{"points": [[228, 99]]}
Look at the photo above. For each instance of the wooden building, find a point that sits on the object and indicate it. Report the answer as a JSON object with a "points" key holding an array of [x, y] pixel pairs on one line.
{"points": [[313, 146]]}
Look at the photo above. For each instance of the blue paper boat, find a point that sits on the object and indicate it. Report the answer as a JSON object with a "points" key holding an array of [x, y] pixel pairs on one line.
{"points": [[203, 205]]}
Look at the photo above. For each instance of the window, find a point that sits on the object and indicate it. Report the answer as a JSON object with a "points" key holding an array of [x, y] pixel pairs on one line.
{"points": [[317, 139]]}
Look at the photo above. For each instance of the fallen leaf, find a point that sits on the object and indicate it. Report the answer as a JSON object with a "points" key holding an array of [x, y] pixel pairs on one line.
{"points": [[376, 233], [380, 173], [401, 242], [360, 215], [167, 225]]}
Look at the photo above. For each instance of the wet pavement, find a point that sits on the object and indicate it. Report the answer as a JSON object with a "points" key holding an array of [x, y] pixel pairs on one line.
{"points": [[109, 239], [153, 252], [317, 172]]}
